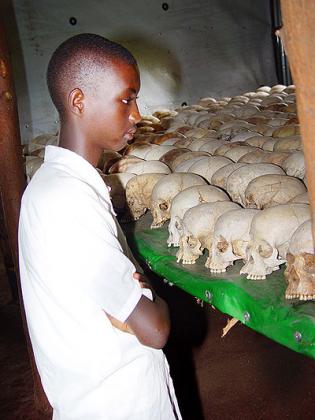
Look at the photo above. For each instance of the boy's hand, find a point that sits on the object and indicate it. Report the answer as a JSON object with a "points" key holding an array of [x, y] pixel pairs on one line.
{"points": [[142, 281], [122, 326]]}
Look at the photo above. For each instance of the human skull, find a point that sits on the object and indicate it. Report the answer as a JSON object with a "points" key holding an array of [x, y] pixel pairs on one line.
{"points": [[157, 152], [287, 131], [256, 156], [197, 132], [184, 166], [238, 181], [186, 156], [207, 166], [171, 141], [196, 144], [288, 144], [301, 199], [277, 158], [269, 144], [246, 111], [138, 194], [184, 143], [117, 184], [165, 190], [270, 190], [212, 145], [197, 231], [237, 152], [139, 149], [220, 176], [294, 165], [225, 147], [187, 199], [123, 164], [149, 167], [270, 234], [243, 135], [300, 270], [257, 140], [169, 157], [230, 239], [230, 129]]}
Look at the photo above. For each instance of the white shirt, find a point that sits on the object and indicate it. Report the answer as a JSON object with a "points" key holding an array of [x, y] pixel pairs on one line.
{"points": [[73, 267]]}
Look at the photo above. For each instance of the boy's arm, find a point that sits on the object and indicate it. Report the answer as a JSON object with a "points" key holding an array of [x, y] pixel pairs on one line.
{"points": [[149, 321]]}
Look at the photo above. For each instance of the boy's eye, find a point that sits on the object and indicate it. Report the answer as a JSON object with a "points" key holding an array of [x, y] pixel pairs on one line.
{"points": [[128, 100]]}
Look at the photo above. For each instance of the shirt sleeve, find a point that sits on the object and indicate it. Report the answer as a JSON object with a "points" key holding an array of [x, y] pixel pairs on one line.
{"points": [[85, 255]]}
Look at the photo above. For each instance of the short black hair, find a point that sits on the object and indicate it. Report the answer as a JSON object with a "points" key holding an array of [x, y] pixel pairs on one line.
{"points": [[76, 61]]}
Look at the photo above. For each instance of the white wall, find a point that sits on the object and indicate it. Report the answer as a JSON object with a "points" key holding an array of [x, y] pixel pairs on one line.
{"points": [[194, 49]]}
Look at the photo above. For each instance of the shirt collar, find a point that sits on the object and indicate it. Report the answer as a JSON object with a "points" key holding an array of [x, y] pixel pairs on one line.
{"points": [[77, 166]]}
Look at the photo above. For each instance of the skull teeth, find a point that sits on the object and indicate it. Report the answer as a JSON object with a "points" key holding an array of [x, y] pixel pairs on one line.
{"points": [[218, 270], [174, 244], [256, 277], [299, 296], [189, 262]]}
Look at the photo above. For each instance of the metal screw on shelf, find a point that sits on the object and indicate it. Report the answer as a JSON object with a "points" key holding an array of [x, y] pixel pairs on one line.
{"points": [[208, 295], [297, 336], [165, 281], [246, 316], [171, 284]]}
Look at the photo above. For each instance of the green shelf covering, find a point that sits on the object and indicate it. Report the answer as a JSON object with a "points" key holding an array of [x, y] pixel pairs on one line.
{"points": [[260, 305]]}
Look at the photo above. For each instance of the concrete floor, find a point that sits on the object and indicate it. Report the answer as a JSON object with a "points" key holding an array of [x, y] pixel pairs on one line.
{"points": [[241, 376]]}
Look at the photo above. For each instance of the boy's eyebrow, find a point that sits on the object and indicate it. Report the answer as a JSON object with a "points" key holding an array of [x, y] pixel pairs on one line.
{"points": [[131, 90]]}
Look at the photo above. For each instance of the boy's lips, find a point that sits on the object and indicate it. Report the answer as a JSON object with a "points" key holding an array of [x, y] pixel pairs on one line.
{"points": [[130, 133]]}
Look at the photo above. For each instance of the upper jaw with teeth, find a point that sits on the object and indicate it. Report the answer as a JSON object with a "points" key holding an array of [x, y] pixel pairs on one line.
{"points": [[299, 296]]}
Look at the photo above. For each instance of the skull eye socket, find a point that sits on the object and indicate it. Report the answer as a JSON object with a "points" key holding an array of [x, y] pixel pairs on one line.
{"points": [[163, 206], [309, 263], [290, 258], [291, 276], [265, 251], [222, 246]]}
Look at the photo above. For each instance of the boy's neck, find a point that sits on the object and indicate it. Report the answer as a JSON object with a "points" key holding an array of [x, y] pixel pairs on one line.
{"points": [[72, 138]]}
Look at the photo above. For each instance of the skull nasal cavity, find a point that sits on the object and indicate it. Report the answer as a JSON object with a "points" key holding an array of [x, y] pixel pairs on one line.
{"points": [[163, 206]]}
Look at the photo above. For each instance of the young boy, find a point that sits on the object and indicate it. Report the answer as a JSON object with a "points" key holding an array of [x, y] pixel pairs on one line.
{"points": [[95, 326]]}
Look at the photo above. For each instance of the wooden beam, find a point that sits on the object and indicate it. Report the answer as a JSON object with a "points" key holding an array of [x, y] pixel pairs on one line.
{"points": [[12, 183], [299, 33]]}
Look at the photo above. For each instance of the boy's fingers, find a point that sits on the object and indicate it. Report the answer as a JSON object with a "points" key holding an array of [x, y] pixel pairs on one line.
{"points": [[142, 281], [137, 276]]}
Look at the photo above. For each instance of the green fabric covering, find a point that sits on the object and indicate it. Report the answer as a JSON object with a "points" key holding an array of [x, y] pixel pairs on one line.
{"points": [[291, 323]]}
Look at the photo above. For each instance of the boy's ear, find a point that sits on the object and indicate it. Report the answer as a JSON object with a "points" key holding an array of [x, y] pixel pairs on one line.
{"points": [[76, 101]]}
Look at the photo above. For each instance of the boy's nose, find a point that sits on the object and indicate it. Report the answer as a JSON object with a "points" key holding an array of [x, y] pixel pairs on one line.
{"points": [[135, 116]]}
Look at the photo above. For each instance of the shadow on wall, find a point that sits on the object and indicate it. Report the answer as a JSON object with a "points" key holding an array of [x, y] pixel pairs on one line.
{"points": [[161, 79], [253, 41]]}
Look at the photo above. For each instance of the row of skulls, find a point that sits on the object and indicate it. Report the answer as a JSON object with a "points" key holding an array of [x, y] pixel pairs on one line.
{"points": [[203, 219], [234, 194]]}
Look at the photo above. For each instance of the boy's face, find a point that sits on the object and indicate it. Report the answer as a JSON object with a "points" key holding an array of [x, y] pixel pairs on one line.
{"points": [[111, 110]]}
